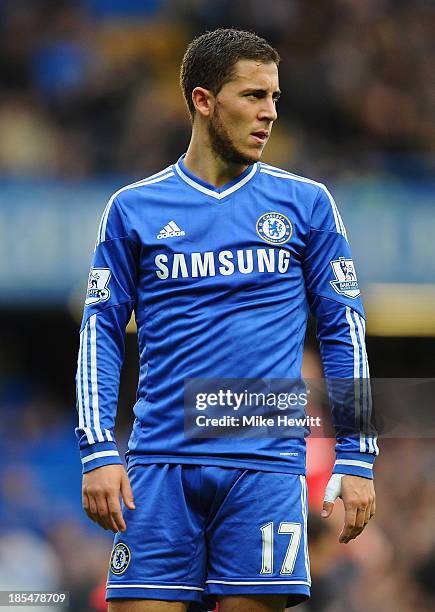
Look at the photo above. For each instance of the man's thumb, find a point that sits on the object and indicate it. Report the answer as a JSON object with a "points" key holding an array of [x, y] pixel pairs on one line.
{"points": [[127, 493], [327, 509], [333, 490]]}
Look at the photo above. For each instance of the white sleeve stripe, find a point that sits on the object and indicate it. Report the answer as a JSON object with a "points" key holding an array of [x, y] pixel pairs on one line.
{"points": [[363, 323], [356, 359], [87, 430], [336, 212], [79, 385], [105, 211], [363, 464], [89, 435], [339, 225], [365, 407], [368, 370], [103, 223], [85, 386], [375, 444], [374, 438], [111, 453], [94, 382], [368, 400], [356, 375]]}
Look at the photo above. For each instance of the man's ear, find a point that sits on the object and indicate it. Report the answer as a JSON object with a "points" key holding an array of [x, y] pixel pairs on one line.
{"points": [[203, 100]]}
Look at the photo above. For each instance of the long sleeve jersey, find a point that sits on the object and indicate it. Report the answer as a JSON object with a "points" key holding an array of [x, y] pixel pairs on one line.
{"points": [[221, 281]]}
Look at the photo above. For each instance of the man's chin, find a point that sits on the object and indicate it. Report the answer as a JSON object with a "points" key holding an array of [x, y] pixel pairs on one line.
{"points": [[254, 157], [250, 156], [240, 158]]}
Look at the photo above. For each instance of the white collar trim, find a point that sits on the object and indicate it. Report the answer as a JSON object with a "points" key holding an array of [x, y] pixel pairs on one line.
{"points": [[210, 192]]}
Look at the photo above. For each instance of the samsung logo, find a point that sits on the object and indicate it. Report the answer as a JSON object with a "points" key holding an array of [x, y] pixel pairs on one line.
{"points": [[225, 263]]}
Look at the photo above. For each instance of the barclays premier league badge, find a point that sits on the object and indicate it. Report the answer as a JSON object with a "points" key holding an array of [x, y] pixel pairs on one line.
{"points": [[120, 558], [97, 286], [345, 281], [274, 228]]}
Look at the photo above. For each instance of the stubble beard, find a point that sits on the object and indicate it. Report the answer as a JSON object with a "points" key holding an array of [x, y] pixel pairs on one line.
{"points": [[223, 146]]}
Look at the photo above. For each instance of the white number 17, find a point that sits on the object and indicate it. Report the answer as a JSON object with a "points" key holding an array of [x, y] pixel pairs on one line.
{"points": [[294, 530]]}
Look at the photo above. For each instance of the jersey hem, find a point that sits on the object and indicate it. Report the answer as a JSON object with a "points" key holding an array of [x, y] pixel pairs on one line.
{"points": [[262, 466]]}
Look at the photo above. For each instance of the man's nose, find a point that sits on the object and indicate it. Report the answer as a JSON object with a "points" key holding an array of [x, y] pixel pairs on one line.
{"points": [[268, 111]]}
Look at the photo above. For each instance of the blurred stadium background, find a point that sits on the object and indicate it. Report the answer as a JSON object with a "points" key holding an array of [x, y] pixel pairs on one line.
{"points": [[89, 101]]}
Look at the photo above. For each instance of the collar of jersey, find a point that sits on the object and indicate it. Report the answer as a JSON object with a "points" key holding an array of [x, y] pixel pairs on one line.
{"points": [[215, 192]]}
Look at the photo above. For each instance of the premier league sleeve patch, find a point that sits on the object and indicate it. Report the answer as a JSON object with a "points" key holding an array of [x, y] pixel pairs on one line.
{"points": [[120, 558], [97, 286], [345, 282]]}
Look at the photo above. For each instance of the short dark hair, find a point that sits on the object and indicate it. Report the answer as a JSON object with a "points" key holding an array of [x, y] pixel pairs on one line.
{"points": [[210, 59]]}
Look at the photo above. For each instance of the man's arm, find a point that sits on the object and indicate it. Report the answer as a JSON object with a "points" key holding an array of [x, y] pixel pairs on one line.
{"points": [[109, 302], [333, 296]]}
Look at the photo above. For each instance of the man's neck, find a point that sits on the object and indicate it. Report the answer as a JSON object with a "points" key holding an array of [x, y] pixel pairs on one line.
{"points": [[204, 163]]}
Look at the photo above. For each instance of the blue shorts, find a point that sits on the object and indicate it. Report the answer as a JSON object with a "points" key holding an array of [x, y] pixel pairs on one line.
{"points": [[200, 532]]}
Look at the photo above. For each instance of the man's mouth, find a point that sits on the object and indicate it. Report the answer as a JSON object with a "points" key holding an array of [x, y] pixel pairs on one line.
{"points": [[260, 136]]}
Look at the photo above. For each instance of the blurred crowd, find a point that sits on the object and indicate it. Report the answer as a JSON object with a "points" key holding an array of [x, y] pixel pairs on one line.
{"points": [[89, 86]]}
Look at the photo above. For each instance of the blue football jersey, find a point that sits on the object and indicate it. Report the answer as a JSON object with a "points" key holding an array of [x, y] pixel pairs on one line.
{"points": [[221, 281]]}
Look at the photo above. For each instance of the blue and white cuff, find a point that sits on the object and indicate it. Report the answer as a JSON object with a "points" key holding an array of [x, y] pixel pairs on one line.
{"points": [[354, 464], [99, 454]]}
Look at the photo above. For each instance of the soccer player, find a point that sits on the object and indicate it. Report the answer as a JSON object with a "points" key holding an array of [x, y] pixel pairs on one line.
{"points": [[221, 257]]}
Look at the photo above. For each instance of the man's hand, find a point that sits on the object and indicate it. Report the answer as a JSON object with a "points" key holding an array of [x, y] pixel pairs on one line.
{"points": [[100, 494], [358, 495]]}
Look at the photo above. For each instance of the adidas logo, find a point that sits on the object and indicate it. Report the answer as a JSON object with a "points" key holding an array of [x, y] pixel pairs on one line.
{"points": [[170, 231]]}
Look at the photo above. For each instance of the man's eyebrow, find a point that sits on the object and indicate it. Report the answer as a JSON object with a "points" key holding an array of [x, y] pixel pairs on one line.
{"points": [[255, 90]]}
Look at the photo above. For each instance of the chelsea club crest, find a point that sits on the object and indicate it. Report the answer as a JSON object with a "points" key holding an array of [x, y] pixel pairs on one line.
{"points": [[120, 558], [346, 282], [274, 228]]}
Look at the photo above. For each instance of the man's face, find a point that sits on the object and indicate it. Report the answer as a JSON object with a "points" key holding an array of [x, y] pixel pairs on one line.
{"points": [[242, 118]]}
